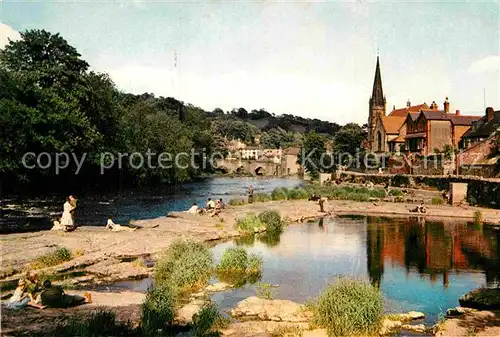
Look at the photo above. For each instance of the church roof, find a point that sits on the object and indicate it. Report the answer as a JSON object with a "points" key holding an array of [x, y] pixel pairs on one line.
{"points": [[404, 111], [392, 124], [377, 98]]}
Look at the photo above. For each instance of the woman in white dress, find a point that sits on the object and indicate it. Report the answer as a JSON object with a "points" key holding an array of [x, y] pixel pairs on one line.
{"points": [[69, 206]]}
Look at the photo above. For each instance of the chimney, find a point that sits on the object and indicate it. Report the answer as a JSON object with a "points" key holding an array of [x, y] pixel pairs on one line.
{"points": [[489, 113], [393, 107], [446, 105], [434, 105], [457, 112], [408, 104]]}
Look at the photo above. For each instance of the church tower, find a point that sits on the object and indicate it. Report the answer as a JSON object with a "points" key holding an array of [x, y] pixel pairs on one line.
{"points": [[377, 106]]}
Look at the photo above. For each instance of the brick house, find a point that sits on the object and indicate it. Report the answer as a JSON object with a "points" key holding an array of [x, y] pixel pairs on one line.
{"points": [[482, 128]]}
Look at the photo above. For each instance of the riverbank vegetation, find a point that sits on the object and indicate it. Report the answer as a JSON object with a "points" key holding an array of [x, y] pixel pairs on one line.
{"points": [[236, 259], [269, 221], [51, 259], [349, 307]]}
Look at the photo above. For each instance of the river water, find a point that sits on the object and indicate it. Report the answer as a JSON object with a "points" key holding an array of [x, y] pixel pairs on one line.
{"points": [[133, 205], [418, 265]]}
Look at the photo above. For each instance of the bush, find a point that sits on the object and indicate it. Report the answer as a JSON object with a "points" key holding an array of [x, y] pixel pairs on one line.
{"points": [[237, 202], [99, 323], [52, 259], [478, 218], [158, 310], [298, 193], [208, 321], [436, 201], [279, 193], [249, 223], [377, 193], [234, 259], [396, 193], [272, 220], [263, 290], [349, 307], [184, 264], [261, 197]]}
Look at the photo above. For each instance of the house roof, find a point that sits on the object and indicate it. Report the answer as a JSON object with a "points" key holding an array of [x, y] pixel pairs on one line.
{"points": [[398, 139], [434, 114], [292, 151], [484, 128], [404, 111], [463, 120], [392, 124]]}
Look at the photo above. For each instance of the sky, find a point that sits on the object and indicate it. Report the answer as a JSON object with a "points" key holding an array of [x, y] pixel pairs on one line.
{"points": [[314, 59]]}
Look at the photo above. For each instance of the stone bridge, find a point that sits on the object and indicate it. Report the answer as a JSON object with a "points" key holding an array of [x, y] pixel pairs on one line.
{"points": [[254, 167]]}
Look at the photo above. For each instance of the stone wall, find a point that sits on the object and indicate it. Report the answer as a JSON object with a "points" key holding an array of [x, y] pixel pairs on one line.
{"points": [[480, 191]]}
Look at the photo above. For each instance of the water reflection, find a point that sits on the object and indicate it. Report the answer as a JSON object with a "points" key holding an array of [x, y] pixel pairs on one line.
{"points": [[418, 265], [432, 249]]}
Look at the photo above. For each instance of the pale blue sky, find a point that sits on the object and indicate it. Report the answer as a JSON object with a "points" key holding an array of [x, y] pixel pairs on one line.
{"points": [[314, 59]]}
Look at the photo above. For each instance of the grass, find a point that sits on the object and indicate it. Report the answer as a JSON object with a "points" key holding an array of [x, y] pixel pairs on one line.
{"points": [[234, 259], [263, 290], [287, 330], [396, 193], [478, 218], [349, 307], [236, 267], [249, 223], [279, 193], [436, 201], [54, 258], [185, 264], [99, 323], [158, 310], [208, 322], [254, 264], [237, 202], [262, 197], [272, 220]]}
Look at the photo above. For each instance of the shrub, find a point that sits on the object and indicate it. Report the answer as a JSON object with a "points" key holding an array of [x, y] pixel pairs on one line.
{"points": [[349, 307], [234, 259], [263, 290], [237, 202], [208, 321], [279, 193], [396, 193], [99, 323], [436, 201], [298, 193], [377, 193], [261, 197], [52, 259], [272, 221], [287, 330], [184, 264], [249, 223], [478, 218], [158, 310]]}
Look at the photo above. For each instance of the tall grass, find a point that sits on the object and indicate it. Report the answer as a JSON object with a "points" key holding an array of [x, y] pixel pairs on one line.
{"points": [[236, 267], [54, 258], [249, 223], [208, 322], [237, 202], [262, 197], [99, 323], [436, 201], [185, 264], [158, 310], [234, 259], [263, 290], [279, 193], [349, 307], [272, 220]]}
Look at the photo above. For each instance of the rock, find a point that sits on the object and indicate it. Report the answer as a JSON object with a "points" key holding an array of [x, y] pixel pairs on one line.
{"points": [[458, 311], [186, 313], [415, 315], [482, 299], [265, 328], [220, 286], [418, 328], [408, 317], [389, 326], [271, 310]]}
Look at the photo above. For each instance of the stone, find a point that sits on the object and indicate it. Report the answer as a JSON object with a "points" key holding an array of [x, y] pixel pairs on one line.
{"points": [[271, 310], [418, 328], [458, 311], [186, 313], [220, 286], [413, 315], [265, 328], [389, 326]]}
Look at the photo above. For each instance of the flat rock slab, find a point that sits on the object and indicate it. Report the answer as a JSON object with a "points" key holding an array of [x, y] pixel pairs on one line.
{"points": [[472, 323], [261, 328], [185, 314], [271, 310]]}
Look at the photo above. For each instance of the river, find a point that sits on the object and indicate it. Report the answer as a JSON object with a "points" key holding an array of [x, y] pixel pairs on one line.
{"points": [[130, 205]]}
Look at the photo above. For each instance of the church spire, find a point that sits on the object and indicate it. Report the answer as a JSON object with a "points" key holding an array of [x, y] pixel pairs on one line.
{"points": [[377, 98]]}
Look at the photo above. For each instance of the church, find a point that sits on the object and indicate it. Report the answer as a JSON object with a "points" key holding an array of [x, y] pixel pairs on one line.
{"points": [[415, 128]]}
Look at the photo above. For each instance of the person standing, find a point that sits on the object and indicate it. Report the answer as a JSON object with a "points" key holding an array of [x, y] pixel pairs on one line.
{"points": [[250, 194], [68, 216]]}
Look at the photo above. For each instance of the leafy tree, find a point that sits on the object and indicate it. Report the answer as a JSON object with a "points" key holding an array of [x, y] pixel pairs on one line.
{"points": [[348, 139], [313, 156]]}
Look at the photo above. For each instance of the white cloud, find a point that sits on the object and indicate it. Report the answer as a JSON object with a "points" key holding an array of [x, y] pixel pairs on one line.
{"points": [[487, 64], [6, 33]]}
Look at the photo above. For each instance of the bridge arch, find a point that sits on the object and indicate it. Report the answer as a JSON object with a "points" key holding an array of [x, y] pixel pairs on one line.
{"points": [[260, 171]]}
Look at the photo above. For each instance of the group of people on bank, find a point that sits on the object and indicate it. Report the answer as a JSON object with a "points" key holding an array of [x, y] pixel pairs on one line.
{"points": [[212, 208], [31, 292]]}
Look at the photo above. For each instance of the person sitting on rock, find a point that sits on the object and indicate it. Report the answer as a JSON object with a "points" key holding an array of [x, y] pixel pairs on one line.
{"points": [[22, 298], [218, 208], [210, 204], [110, 225], [54, 297], [194, 209]]}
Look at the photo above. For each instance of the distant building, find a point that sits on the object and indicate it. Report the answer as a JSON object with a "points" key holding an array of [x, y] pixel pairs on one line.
{"points": [[482, 129], [289, 166], [252, 153]]}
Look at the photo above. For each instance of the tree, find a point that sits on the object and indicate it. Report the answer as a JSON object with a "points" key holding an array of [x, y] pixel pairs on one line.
{"points": [[312, 155], [348, 139]]}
